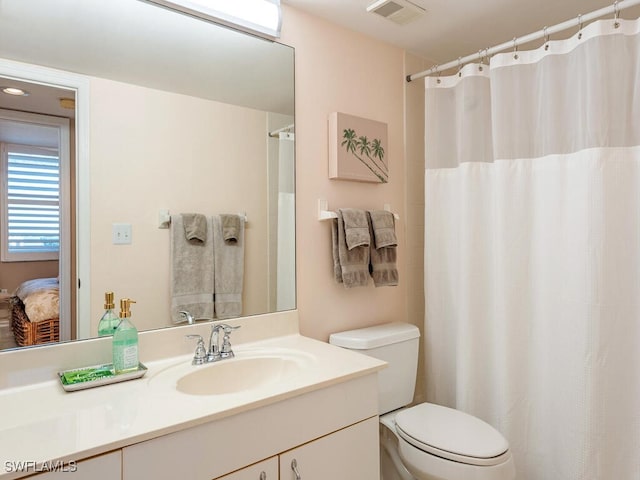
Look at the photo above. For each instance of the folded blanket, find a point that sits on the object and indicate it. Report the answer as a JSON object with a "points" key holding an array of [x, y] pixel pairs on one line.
{"points": [[354, 262], [41, 298]]}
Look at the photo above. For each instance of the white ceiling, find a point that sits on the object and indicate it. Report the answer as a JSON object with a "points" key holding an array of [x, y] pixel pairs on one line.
{"points": [[452, 29]]}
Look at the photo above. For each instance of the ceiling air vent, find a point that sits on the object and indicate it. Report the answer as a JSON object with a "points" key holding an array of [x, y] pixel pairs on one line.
{"points": [[398, 11]]}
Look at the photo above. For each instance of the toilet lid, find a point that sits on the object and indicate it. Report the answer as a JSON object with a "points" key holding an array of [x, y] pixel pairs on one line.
{"points": [[451, 434]]}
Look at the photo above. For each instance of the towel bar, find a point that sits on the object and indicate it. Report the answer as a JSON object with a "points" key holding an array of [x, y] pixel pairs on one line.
{"points": [[325, 214], [164, 218]]}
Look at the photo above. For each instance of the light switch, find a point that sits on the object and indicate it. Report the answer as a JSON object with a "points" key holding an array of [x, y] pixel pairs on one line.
{"points": [[121, 233]]}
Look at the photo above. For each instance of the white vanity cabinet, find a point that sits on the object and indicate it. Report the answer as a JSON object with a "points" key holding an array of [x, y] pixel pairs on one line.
{"points": [[349, 454], [332, 432], [265, 470]]}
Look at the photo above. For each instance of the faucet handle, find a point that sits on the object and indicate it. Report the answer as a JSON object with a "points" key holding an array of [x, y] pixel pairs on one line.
{"points": [[227, 328], [225, 350], [200, 354]]}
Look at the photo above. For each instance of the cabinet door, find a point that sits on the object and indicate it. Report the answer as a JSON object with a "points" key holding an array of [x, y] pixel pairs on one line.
{"points": [[348, 454], [102, 467], [265, 470]]}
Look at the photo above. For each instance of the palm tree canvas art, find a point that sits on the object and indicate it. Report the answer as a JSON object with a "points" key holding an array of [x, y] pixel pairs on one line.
{"points": [[357, 149]]}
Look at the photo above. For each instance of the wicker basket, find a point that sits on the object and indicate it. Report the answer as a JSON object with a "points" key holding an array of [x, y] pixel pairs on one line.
{"points": [[28, 333]]}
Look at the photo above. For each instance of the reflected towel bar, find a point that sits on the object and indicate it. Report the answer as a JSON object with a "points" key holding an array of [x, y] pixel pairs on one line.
{"points": [[164, 218]]}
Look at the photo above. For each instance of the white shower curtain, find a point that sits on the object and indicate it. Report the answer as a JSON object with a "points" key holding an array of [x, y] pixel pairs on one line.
{"points": [[286, 265], [532, 251]]}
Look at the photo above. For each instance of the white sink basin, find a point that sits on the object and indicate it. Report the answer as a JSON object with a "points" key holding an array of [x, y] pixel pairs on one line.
{"points": [[249, 370]]}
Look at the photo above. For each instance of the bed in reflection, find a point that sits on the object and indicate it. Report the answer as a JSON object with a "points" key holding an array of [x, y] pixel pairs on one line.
{"points": [[35, 312]]}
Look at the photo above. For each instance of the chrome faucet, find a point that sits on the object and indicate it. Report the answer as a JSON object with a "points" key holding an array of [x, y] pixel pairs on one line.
{"points": [[186, 317], [215, 352]]}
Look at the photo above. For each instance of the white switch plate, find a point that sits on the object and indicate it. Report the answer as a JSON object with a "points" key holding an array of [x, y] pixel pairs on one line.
{"points": [[121, 233]]}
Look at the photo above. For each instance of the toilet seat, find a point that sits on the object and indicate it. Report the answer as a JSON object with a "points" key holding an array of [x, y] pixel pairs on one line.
{"points": [[452, 434]]}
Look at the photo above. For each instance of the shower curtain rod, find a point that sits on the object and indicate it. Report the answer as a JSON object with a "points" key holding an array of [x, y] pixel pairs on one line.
{"points": [[276, 132], [544, 33]]}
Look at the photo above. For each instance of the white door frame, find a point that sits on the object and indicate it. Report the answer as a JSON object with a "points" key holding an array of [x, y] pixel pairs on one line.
{"points": [[79, 83]]}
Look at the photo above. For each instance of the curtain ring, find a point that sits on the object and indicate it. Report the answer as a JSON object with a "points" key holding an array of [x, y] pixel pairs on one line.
{"points": [[515, 48], [435, 70], [459, 66], [616, 14], [546, 39], [480, 67], [579, 26]]}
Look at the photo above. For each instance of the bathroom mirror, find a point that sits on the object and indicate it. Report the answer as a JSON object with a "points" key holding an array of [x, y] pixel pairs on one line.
{"points": [[172, 113]]}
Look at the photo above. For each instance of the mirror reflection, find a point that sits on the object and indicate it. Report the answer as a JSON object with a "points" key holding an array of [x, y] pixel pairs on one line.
{"points": [[162, 113]]}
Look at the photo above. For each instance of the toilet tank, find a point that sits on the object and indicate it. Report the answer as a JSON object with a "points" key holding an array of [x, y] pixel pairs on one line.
{"points": [[395, 343]]}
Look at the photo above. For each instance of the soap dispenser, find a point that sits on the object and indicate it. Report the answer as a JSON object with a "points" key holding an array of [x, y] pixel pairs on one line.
{"points": [[125, 341], [109, 321]]}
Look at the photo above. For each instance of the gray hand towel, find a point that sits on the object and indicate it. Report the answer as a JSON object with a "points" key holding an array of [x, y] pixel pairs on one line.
{"points": [[229, 267], [192, 274], [195, 227], [354, 262], [384, 234], [356, 227], [230, 227], [383, 265]]}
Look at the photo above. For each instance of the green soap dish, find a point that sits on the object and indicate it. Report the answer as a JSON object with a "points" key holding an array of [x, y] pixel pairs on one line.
{"points": [[95, 376]]}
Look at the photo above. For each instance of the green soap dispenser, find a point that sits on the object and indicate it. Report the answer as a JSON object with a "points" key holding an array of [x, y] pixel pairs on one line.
{"points": [[125, 341], [109, 321]]}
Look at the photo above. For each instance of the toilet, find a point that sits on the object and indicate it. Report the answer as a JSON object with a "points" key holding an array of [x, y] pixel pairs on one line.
{"points": [[425, 441]]}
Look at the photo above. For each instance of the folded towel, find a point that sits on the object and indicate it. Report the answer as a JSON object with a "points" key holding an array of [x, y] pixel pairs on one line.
{"points": [[354, 262], [230, 228], [383, 264], [192, 274], [195, 227], [356, 227], [384, 234], [229, 267]]}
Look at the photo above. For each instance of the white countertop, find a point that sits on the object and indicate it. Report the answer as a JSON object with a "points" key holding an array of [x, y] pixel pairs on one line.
{"points": [[42, 422]]}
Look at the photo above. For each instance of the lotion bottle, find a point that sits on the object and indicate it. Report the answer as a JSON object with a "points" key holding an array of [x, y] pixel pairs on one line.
{"points": [[125, 341], [109, 321]]}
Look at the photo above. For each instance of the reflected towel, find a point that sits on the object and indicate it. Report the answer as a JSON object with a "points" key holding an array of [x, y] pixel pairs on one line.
{"points": [[230, 227], [356, 227], [195, 227], [384, 270], [383, 225], [192, 274], [229, 267], [354, 262]]}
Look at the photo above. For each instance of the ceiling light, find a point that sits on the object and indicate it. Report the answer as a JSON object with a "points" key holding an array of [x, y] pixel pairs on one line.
{"points": [[260, 17], [18, 92]]}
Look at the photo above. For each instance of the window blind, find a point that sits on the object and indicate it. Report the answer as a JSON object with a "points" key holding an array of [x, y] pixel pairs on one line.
{"points": [[33, 202]]}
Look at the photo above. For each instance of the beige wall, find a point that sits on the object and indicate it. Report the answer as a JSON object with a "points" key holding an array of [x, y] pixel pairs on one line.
{"points": [[139, 164], [339, 70], [12, 274]]}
